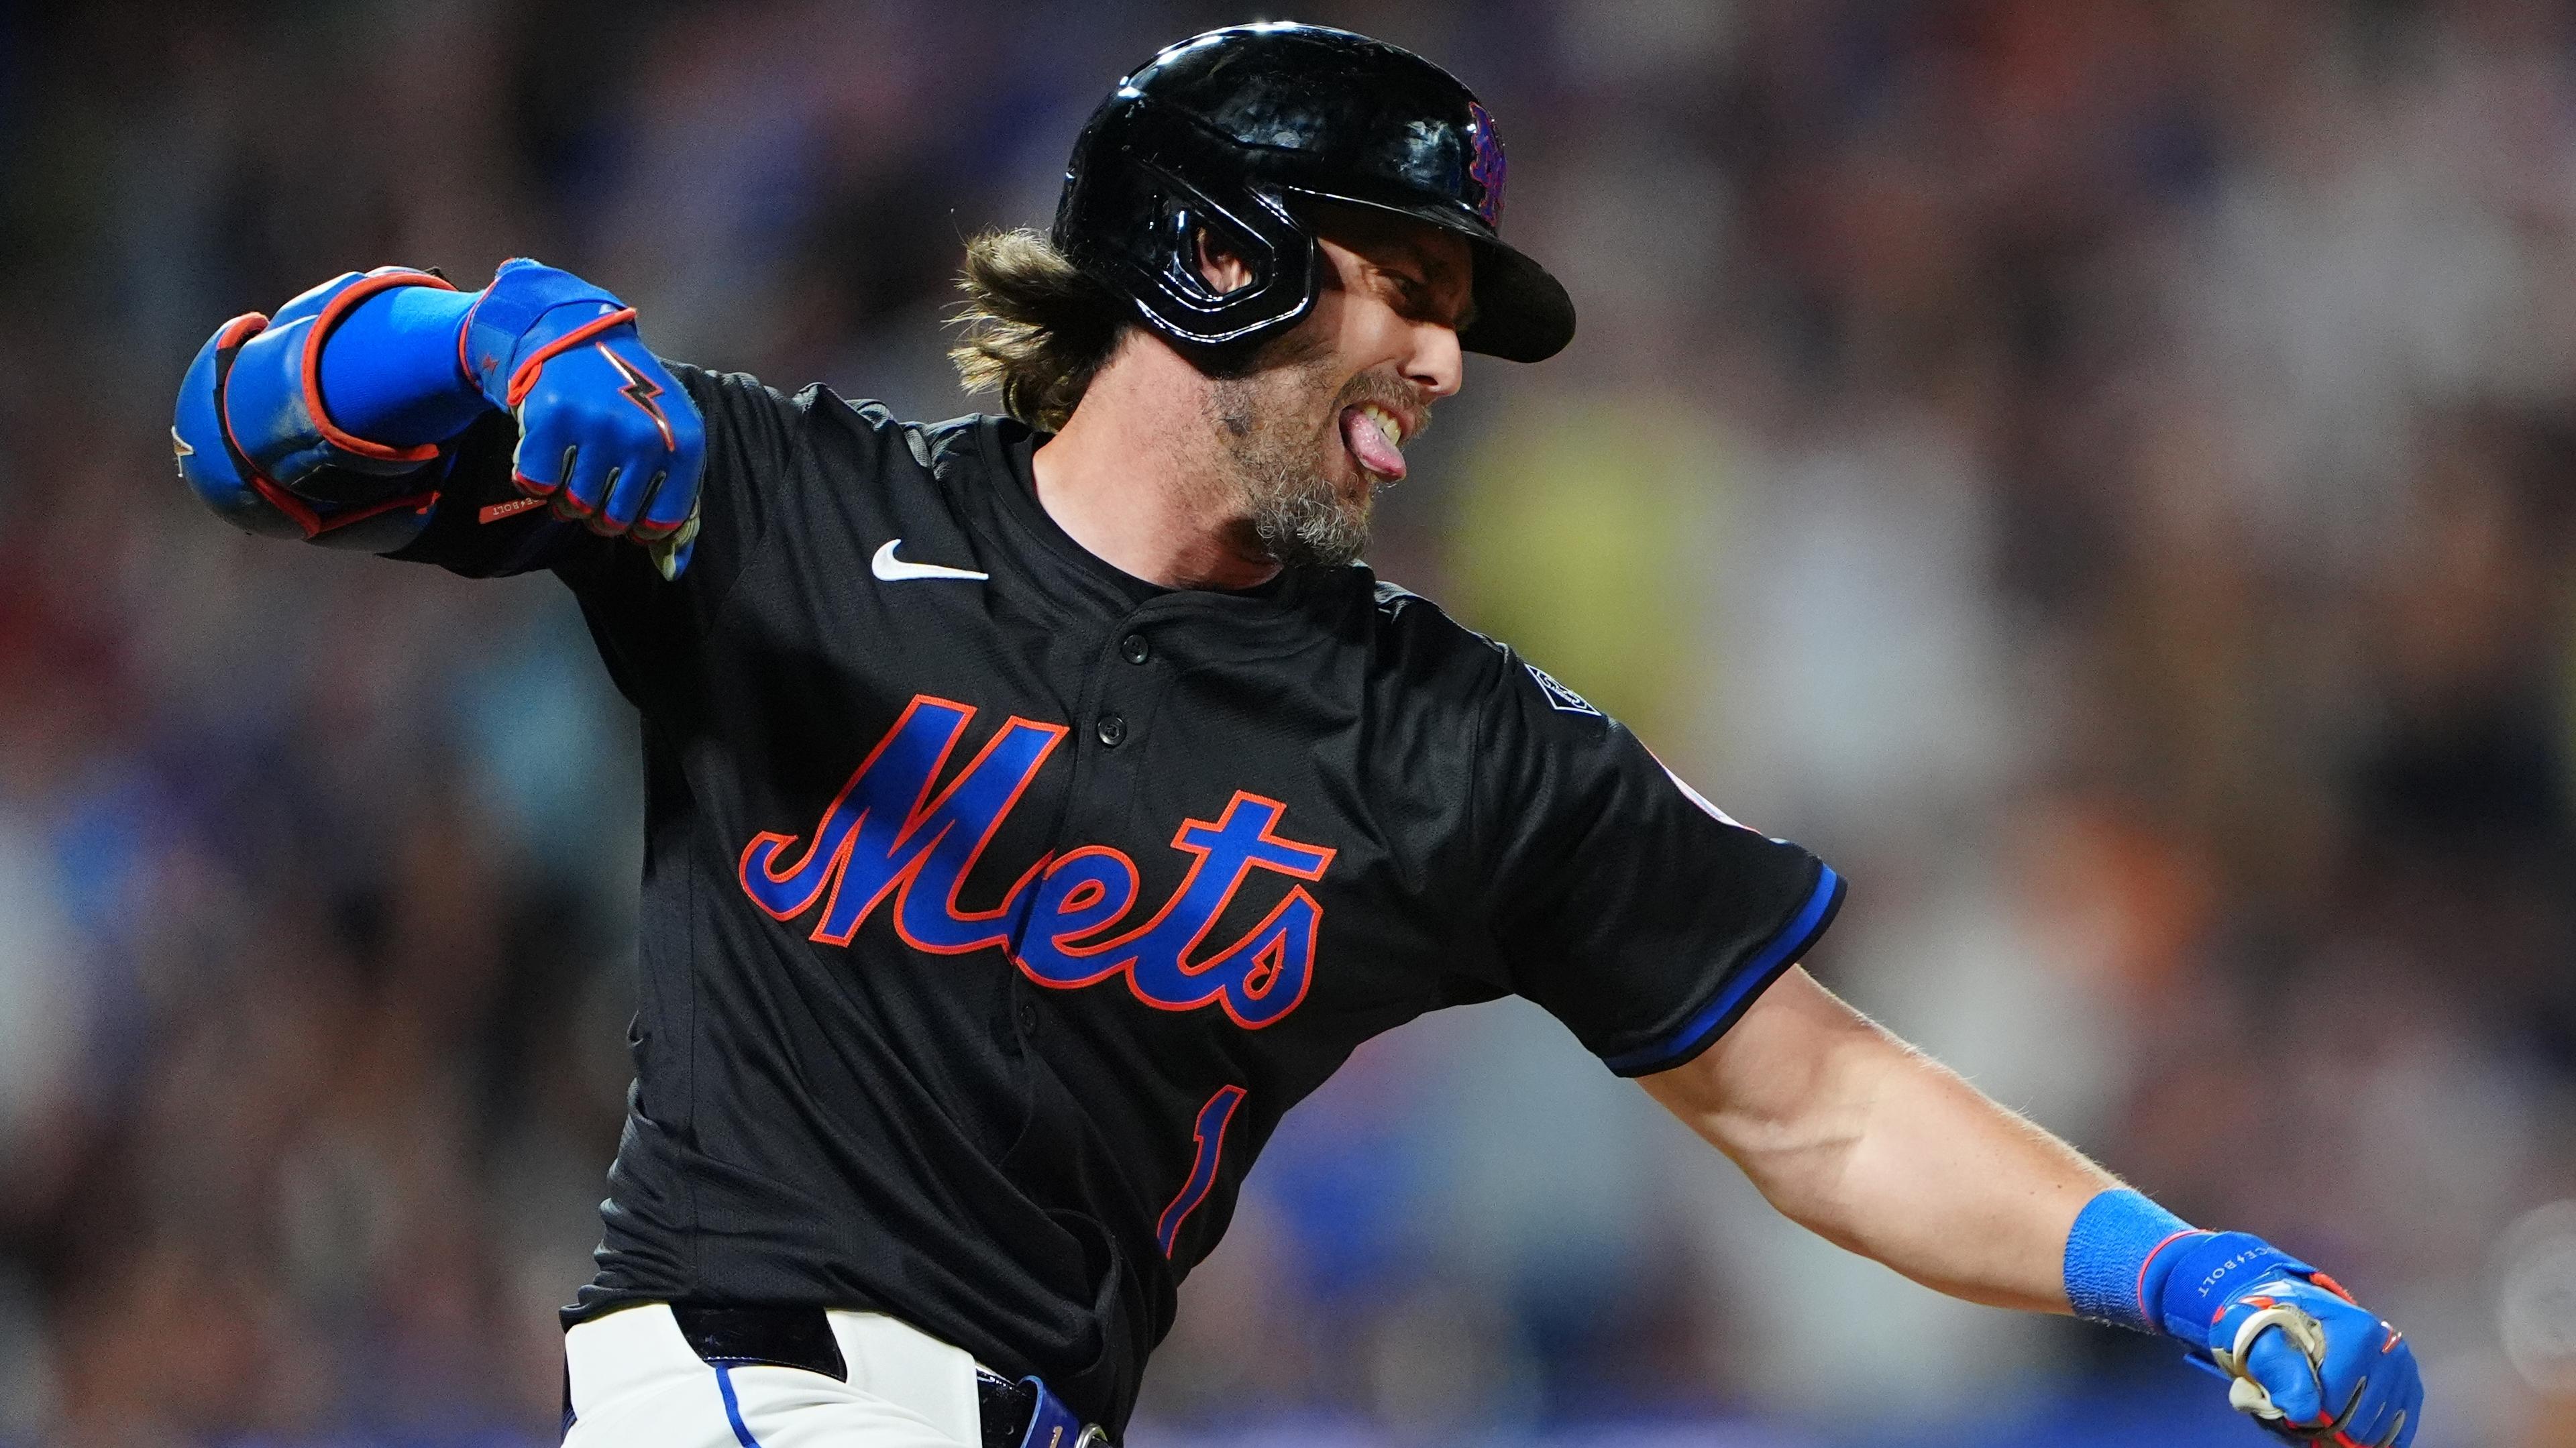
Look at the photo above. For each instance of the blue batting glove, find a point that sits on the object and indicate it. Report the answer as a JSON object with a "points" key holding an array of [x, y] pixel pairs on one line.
{"points": [[2302, 1357], [606, 435]]}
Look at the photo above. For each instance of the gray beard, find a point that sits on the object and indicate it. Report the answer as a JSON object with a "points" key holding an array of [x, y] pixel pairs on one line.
{"points": [[1308, 528], [1296, 512]]}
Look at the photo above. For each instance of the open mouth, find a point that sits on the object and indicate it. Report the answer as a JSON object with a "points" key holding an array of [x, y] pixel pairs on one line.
{"points": [[1375, 437]]}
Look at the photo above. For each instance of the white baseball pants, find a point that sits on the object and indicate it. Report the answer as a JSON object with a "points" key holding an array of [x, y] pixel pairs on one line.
{"points": [[636, 1384]]}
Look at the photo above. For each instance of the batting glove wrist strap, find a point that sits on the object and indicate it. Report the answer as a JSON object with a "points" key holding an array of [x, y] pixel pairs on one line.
{"points": [[531, 313], [2193, 1280]]}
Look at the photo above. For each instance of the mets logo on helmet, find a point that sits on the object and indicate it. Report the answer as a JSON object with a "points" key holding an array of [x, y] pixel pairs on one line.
{"points": [[888, 840], [1487, 167]]}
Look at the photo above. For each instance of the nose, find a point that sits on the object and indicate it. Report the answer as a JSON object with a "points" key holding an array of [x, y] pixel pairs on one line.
{"points": [[1438, 364]]}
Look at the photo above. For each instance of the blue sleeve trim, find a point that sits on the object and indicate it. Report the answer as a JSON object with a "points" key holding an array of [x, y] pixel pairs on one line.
{"points": [[2114, 1239], [1710, 1021]]}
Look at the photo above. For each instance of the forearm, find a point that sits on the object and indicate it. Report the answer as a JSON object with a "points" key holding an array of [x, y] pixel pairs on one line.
{"points": [[1868, 1142], [1942, 1184], [1882, 1150]]}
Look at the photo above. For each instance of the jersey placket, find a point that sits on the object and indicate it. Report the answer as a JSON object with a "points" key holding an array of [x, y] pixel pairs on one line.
{"points": [[1120, 695]]}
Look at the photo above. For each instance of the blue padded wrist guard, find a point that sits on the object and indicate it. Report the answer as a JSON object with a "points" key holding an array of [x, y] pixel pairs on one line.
{"points": [[390, 371], [257, 444], [2110, 1253], [273, 392]]}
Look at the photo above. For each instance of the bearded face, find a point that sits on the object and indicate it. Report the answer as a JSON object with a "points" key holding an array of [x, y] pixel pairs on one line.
{"points": [[1309, 446], [1314, 424]]}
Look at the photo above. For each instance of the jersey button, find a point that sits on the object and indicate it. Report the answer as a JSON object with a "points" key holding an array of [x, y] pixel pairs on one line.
{"points": [[1028, 1018], [1112, 729], [1132, 649]]}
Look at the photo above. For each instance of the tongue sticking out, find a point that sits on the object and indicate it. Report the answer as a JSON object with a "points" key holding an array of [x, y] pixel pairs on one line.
{"points": [[1370, 445]]}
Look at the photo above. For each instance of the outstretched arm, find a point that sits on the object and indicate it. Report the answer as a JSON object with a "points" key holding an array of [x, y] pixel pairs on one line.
{"points": [[1875, 1146], [1884, 1151], [336, 420]]}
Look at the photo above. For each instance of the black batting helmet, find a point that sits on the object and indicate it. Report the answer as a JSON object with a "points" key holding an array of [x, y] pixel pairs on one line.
{"points": [[1228, 130]]}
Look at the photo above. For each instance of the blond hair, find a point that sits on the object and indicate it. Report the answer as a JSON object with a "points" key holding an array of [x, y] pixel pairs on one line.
{"points": [[1033, 328]]}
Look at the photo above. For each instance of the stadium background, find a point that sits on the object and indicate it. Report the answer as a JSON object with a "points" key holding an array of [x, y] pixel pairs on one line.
{"points": [[2095, 469]]}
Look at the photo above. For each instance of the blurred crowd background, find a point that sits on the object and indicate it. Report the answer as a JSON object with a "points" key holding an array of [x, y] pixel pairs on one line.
{"points": [[2097, 470]]}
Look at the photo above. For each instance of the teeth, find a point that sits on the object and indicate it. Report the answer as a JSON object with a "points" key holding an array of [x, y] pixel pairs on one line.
{"points": [[1385, 421]]}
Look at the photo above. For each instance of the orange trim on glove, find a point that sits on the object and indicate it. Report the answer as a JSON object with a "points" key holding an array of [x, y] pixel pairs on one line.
{"points": [[524, 379]]}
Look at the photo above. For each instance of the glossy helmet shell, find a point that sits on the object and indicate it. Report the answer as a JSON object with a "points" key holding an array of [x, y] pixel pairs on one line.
{"points": [[1229, 130]]}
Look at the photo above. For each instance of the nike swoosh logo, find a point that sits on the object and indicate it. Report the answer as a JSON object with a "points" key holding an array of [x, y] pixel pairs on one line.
{"points": [[894, 570]]}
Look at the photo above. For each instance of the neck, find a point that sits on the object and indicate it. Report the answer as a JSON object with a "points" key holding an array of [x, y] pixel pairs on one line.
{"points": [[1136, 477]]}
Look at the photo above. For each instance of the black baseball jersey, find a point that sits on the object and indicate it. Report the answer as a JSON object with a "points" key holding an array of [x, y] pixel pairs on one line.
{"points": [[997, 904]]}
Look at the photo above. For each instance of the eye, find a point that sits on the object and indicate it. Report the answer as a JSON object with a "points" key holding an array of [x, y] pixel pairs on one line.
{"points": [[1414, 291]]}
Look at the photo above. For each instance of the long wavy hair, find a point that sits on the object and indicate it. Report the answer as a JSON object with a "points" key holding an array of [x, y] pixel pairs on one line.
{"points": [[1032, 328]]}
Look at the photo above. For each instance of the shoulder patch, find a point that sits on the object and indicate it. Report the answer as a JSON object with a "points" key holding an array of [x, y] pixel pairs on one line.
{"points": [[1560, 697]]}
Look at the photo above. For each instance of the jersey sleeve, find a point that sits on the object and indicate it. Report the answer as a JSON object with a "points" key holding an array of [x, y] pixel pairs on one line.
{"points": [[1620, 900], [485, 527]]}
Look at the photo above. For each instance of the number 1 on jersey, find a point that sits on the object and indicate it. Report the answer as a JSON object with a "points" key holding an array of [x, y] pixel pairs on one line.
{"points": [[1210, 1134]]}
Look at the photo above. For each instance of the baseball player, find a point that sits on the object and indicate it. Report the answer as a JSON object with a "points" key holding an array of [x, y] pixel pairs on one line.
{"points": [[1038, 806]]}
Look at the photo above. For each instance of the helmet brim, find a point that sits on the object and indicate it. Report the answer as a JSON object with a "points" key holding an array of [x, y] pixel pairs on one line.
{"points": [[1522, 311]]}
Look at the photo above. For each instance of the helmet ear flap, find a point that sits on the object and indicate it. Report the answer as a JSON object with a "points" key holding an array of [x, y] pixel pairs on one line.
{"points": [[1133, 216], [1256, 231], [1191, 234]]}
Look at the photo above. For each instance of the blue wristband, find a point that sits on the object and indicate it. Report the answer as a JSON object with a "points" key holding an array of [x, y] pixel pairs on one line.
{"points": [[2119, 1242]]}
